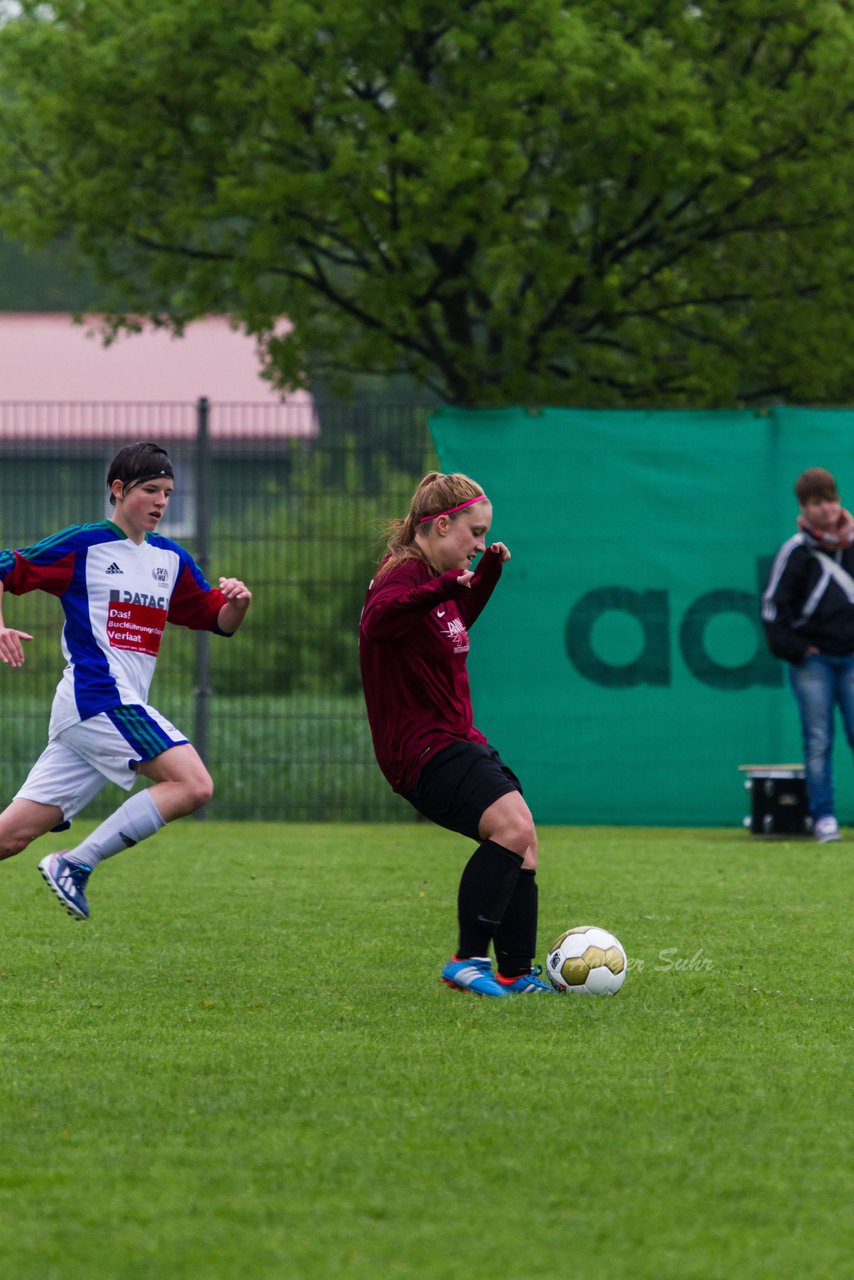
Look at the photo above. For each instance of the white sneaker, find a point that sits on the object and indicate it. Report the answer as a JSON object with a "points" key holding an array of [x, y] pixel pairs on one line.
{"points": [[826, 829]]}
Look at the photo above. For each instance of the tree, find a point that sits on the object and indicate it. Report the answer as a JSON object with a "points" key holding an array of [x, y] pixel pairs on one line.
{"points": [[512, 201]]}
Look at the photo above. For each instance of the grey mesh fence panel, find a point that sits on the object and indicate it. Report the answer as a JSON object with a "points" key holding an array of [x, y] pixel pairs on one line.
{"points": [[296, 496]]}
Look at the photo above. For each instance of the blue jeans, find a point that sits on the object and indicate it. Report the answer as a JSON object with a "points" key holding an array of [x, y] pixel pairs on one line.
{"points": [[820, 684]]}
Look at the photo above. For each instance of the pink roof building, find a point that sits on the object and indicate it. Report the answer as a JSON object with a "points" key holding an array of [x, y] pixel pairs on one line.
{"points": [[58, 378]]}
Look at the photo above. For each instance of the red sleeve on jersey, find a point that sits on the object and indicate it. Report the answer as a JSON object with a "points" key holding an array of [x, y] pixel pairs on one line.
{"points": [[25, 576], [194, 604], [471, 603]]}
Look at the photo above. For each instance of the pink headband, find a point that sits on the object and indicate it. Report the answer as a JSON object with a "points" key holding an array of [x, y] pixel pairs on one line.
{"points": [[468, 503]]}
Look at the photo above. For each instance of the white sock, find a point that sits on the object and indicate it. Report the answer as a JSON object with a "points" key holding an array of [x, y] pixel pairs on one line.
{"points": [[135, 820]]}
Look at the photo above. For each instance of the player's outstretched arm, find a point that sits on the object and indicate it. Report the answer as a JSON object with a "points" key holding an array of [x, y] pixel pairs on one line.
{"points": [[238, 598], [394, 605]]}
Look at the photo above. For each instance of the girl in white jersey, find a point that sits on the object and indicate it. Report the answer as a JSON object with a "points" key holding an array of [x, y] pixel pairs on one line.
{"points": [[119, 582]]}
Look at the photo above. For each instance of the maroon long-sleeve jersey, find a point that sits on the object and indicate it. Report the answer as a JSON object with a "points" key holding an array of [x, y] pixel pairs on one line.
{"points": [[413, 645]]}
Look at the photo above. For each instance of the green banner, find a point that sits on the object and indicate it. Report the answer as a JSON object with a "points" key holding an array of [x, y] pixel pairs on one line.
{"points": [[621, 668]]}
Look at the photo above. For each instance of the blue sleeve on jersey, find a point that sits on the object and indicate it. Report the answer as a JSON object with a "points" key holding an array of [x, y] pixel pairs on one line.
{"points": [[57, 545]]}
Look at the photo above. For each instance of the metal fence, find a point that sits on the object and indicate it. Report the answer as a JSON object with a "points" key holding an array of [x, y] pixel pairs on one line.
{"points": [[291, 498]]}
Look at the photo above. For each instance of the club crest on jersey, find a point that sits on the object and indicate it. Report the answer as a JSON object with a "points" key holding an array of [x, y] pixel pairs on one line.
{"points": [[160, 574], [138, 597], [456, 632]]}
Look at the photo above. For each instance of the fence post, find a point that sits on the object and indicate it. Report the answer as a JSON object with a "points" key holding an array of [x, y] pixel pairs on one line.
{"points": [[202, 691]]}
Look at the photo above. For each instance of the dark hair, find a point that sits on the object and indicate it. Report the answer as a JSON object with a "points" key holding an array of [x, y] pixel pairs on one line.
{"points": [[136, 463], [816, 483]]}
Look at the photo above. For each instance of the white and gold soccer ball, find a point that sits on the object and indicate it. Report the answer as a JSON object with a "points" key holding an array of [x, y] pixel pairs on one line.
{"points": [[587, 960]]}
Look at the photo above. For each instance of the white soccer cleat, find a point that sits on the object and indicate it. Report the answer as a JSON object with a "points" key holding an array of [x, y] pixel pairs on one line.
{"points": [[68, 882], [826, 829]]}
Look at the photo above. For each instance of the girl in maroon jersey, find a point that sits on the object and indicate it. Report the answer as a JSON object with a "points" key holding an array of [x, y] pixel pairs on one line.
{"points": [[413, 642]]}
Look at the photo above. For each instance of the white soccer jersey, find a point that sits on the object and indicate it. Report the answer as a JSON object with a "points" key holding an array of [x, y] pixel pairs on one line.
{"points": [[117, 596]]}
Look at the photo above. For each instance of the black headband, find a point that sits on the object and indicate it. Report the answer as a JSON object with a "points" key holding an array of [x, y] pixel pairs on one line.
{"points": [[146, 475]]}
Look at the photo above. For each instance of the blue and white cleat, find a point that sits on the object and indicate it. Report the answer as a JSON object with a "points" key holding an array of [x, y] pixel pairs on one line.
{"points": [[68, 882], [526, 984], [472, 974]]}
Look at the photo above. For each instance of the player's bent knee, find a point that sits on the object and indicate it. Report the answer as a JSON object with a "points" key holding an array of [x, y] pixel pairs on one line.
{"points": [[523, 828], [509, 823], [200, 792], [528, 837], [532, 855], [519, 836]]}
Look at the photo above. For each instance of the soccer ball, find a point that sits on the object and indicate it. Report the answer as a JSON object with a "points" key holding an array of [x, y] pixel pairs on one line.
{"points": [[587, 960]]}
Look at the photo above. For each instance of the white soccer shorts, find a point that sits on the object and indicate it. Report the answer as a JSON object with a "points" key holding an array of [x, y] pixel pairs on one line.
{"points": [[81, 759]]}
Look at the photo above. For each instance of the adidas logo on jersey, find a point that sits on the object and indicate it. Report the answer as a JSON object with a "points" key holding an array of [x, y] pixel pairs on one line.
{"points": [[114, 568]]}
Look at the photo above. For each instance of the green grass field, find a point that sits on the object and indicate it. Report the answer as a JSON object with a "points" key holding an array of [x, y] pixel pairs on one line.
{"points": [[244, 1066]]}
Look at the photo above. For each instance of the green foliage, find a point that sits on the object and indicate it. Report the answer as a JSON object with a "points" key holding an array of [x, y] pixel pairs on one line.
{"points": [[510, 200], [326, 524], [248, 1060]]}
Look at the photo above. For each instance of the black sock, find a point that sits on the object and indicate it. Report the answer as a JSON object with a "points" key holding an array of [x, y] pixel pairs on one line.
{"points": [[486, 887], [516, 936]]}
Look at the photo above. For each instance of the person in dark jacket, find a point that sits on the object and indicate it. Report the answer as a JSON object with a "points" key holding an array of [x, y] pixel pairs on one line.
{"points": [[808, 615], [413, 644]]}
